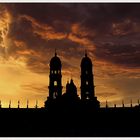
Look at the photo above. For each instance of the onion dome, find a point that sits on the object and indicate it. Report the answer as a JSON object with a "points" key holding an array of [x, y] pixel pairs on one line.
{"points": [[72, 86], [86, 61], [55, 62]]}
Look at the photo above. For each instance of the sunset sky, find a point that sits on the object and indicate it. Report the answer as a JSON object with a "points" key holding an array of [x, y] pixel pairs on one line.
{"points": [[29, 34]]}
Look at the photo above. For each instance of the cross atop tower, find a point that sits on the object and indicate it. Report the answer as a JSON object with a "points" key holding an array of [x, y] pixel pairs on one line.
{"points": [[85, 53], [55, 52]]}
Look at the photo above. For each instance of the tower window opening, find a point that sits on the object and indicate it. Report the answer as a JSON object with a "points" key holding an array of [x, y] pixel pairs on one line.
{"points": [[55, 83], [54, 95], [86, 72], [52, 71], [55, 72], [87, 98], [86, 82]]}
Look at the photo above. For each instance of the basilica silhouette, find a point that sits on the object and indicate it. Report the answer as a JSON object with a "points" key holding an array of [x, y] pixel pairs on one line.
{"points": [[70, 98], [67, 114]]}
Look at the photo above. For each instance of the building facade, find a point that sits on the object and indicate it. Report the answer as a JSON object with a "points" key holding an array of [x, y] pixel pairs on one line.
{"points": [[87, 84]]}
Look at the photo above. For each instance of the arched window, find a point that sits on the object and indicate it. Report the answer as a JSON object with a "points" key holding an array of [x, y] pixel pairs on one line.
{"points": [[54, 95], [52, 72], [55, 72], [87, 98], [55, 83], [86, 82]]}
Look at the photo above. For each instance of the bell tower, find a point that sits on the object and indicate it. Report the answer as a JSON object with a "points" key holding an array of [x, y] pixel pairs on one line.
{"points": [[55, 83], [87, 85]]}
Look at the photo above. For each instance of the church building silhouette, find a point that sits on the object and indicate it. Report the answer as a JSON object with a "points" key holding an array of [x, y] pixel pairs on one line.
{"points": [[70, 97]]}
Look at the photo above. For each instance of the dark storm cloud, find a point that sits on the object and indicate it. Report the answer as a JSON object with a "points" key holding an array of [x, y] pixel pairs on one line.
{"points": [[124, 55], [51, 14], [101, 16], [69, 27], [93, 16]]}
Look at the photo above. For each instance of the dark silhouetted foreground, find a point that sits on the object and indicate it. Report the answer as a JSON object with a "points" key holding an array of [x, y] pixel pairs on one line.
{"points": [[67, 114], [40, 122]]}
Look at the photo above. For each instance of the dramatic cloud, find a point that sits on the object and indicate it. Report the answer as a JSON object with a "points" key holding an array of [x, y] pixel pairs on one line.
{"points": [[29, 34]]}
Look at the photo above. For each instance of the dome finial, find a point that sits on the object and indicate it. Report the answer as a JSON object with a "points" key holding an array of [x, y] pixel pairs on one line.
{"points": [[85, 53], [71, 76], [71, 81], [55, 52]]}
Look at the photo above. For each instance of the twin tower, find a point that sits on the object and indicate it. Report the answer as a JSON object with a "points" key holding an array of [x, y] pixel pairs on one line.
{"points": [[87, 82]]}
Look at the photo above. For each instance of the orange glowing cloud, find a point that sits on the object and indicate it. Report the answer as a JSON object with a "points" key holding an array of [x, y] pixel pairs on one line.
{"points": [[28, 41], [43, 30]]}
